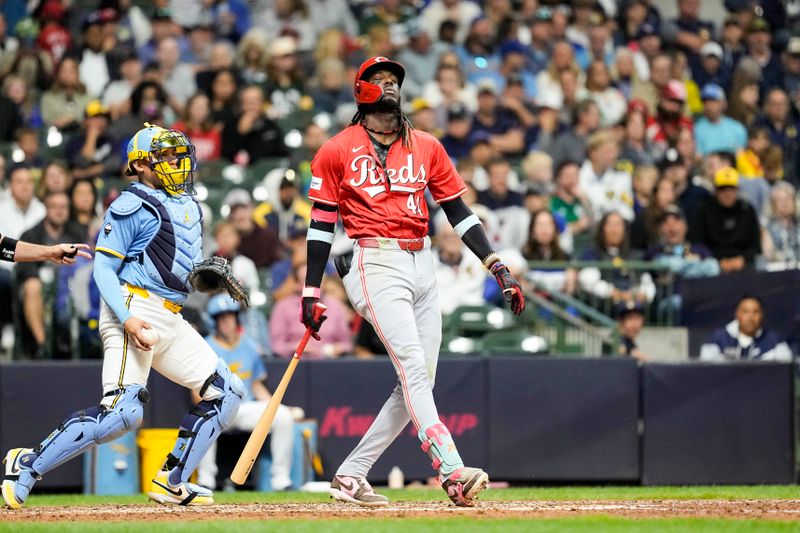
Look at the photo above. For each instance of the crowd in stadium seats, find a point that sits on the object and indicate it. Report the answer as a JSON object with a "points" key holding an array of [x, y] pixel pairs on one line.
{"points": [[602, 131]]}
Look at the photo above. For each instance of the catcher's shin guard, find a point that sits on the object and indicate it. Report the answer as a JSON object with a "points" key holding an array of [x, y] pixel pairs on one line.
{"points": [[222, 395]]}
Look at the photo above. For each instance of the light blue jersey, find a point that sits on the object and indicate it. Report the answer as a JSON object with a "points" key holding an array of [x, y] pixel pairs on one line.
{"points": [[159, 245], [243, 360]]}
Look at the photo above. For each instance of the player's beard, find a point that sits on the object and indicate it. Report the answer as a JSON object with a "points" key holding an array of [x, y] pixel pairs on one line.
{"points": [[384, 105]]}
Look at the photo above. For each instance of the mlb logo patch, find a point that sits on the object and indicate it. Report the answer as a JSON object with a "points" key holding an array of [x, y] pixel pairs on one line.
{"points": [[316, 183]]}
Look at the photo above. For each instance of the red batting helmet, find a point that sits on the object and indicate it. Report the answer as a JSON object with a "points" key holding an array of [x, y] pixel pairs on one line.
{"points": [[369, 93]]}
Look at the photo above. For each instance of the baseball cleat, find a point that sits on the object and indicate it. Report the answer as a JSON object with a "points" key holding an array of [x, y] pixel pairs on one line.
{"points": [[356, 490], [19, 476], [162, 491], [463, 485]]}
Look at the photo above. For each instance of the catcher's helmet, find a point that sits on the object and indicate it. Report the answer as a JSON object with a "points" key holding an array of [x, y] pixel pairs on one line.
{"points": [[161, 148], [222, 303], [369, 93]]}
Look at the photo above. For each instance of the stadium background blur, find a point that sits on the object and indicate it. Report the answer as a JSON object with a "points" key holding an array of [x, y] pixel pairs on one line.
{"points": [[596, 138]]}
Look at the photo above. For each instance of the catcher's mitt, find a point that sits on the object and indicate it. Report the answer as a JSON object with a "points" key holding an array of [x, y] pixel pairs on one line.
{"points": [[214, 274]]}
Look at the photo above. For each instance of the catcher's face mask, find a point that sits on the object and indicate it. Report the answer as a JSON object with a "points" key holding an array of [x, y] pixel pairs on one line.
{"points": [[172, 158]]}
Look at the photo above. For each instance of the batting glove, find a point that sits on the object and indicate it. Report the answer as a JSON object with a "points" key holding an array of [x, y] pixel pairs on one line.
{"points": [[307, 316], [511, 289]]}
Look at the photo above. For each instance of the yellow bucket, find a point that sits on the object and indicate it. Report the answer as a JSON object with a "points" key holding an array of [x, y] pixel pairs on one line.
{"points": [[154, 445]]}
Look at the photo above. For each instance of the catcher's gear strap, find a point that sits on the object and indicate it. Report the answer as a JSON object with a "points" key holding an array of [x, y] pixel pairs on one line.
{"points": [[97, 424], [438, 443], [468, 228], [203, 424], [162, 249], [8, 247], [318, 242]]}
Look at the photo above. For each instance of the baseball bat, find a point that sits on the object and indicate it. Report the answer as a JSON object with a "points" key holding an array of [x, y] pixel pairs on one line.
{"points": [[253, 447]]}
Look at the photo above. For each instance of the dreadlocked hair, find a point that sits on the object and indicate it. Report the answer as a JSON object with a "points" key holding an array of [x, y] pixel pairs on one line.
{"points": [[405, 125]]}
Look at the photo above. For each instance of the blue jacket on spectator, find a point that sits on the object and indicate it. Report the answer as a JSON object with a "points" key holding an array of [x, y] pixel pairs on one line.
{"points": [[727, 344]]}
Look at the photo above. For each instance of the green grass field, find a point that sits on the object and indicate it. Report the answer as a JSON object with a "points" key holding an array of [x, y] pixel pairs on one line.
{"points": [[475, 522]]}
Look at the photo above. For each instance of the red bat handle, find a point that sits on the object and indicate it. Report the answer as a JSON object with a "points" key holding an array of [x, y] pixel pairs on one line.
{"points": [[319, 310]]}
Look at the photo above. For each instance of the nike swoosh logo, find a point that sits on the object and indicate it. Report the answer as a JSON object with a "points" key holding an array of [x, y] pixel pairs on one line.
{"points": [[346, 487], [173, 492], [357, 148]]}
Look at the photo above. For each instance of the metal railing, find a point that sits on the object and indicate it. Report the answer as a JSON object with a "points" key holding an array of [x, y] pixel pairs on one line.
{"points": [[653, 283], [572, 327]]}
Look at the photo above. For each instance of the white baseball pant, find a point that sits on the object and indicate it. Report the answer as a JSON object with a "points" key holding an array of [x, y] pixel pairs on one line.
{"points": [[395, 290], [180, 354]]}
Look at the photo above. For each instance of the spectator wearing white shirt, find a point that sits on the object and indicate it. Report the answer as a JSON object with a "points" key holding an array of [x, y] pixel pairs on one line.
{"points": [[606, 188], [459, 274], [21, 209]]}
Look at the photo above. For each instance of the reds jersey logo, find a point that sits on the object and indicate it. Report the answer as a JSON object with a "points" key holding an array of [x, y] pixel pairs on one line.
{"points": [[407, 178]]}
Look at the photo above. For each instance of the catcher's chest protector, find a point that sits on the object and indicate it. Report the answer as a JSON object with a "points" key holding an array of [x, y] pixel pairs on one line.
{"points": [[177, 245]]}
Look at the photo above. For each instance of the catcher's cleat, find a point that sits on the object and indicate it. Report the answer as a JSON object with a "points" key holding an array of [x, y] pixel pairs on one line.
{"points": [[162, 491], [19, 476], [356, 490], [463, 485]]}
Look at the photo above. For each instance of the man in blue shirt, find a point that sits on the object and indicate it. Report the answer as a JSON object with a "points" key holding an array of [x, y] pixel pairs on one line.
{"points": [[150, 240], [745, 338], [242, 356], [714, 131]]}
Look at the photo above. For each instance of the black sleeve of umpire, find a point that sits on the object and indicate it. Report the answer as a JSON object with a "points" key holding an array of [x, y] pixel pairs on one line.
{"points": [[474, 236], [318, 250]]}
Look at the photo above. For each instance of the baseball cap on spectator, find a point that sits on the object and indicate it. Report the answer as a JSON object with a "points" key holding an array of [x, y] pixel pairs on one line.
{"points": [[758, 24], [671, 210], [726, 177], [674, 90], [712, 49], [53, 9], [478, 137], [95, 108], [457, 111], [486, 86], [415, 29], [542, 14], [597, 18], [418, 104], [712, 91], [537, 189], [732, 19], [671, 159], [646, 30], [237, 197], [163, 14], [793, 47], [626, 307], [512, 46], [283, 46]]}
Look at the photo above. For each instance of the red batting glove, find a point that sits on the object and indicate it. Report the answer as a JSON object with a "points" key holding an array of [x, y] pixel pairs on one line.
{"points": [[512, 292]]}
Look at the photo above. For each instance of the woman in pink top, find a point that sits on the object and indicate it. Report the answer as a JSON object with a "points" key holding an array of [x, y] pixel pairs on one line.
{"points": [[285, 329]]}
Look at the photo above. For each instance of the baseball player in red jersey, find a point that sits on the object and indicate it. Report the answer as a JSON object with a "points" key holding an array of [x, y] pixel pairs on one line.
{"points": [[374, 175]]}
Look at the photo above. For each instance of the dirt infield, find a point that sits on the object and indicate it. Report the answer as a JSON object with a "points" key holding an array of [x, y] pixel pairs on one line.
{"points": [[744, 509]]}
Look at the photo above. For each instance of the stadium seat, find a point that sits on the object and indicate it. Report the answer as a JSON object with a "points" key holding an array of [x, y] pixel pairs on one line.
{"points": [[513, 342], [456, 345], [475, 320]]}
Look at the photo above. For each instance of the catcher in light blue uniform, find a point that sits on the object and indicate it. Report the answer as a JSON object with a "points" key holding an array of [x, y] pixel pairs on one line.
{"points": [[148, 250]]}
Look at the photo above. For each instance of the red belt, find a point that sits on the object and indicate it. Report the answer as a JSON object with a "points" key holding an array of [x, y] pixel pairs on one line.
{"points": [[409, 245]]}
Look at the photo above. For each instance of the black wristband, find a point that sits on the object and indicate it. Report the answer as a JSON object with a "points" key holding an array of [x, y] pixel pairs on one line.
{"points": [[8, 248]]}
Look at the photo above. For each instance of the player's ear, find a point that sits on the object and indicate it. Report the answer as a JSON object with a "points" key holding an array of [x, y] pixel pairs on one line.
{"points": [[140, 165]]}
